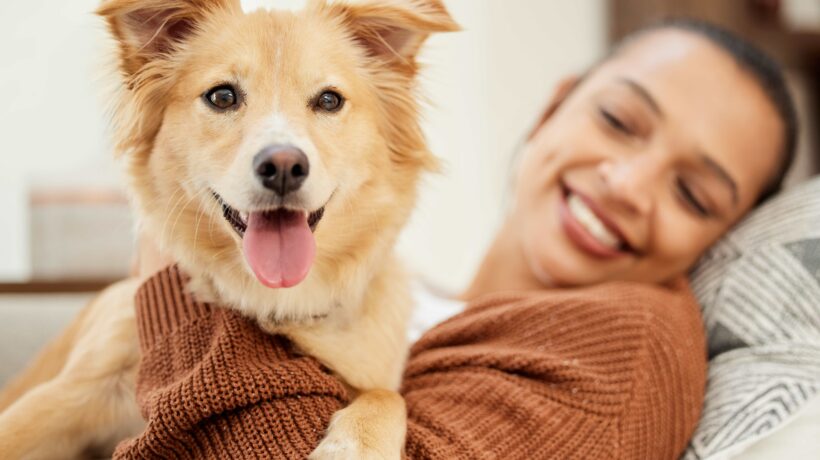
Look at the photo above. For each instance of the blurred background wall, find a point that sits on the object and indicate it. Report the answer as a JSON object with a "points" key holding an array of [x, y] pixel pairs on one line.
{"points": [[486, 86], [52, 119]]}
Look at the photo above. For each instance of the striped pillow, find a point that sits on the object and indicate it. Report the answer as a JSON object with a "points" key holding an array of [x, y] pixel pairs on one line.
{"points": [[760, 292]]}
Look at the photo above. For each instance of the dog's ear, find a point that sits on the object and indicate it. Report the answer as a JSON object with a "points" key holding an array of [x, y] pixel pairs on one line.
{"points": [[149, 29], [393, 29]]}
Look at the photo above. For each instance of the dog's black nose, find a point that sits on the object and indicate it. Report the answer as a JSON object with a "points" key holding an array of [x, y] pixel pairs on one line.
{"points": [[281, 168]]}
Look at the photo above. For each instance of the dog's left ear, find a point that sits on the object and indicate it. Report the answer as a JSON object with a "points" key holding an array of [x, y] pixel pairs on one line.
{"points": [[393, 30]]}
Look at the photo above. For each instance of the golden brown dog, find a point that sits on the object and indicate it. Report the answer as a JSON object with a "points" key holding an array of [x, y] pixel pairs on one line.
{"points": [[275, 155]]}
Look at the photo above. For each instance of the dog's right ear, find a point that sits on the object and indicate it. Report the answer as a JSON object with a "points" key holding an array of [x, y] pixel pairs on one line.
{"points": [[150, 29], [391, 30]]}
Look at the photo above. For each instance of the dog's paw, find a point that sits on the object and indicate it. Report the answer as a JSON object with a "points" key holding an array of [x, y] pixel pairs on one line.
{"points": [[339, 448], [370, 428], [351, 437], [342, 445]]}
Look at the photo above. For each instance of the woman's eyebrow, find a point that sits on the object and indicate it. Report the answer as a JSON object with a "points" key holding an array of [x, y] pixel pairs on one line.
{"points": [[721, 174], [644, 94]]}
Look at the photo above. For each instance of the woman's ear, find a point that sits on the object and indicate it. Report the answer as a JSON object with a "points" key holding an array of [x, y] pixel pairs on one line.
{"points": [[559, 95]]}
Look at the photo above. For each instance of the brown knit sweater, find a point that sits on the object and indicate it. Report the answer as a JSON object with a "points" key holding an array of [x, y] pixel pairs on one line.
{"points": [[615, 371]]}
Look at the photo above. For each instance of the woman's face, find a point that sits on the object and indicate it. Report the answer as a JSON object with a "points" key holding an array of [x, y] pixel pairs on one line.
{"points": [[644, 164]]}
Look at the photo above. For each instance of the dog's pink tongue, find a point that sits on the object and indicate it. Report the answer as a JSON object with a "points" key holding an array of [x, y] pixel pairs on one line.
{"points": [[279, 247]]}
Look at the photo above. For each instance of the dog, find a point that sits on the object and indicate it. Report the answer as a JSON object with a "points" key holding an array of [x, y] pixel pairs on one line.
{"points": [[275, 155]]}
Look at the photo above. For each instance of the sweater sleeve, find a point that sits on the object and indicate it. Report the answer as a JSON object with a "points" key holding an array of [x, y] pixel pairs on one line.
{"points": [[211, 385], [612, 372]]}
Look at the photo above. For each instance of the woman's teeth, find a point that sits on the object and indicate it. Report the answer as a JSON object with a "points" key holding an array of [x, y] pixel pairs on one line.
{"points": [[581, 212]]}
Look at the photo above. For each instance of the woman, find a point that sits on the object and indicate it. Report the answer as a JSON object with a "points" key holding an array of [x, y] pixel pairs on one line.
{"points": [[630, 174], [676, 136]]}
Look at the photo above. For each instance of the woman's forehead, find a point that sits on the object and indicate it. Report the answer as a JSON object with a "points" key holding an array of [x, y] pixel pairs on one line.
{"points": [[678, 56]]}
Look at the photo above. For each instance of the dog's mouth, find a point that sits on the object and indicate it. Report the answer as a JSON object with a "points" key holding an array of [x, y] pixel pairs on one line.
{"points": [[239, 220], [278, 243]]}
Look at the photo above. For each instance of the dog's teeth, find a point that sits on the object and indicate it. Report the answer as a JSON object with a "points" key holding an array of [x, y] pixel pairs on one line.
{"points": [[244, 216]]}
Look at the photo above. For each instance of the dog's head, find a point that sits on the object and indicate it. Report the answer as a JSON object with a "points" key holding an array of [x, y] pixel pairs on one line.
{"points": [[273, 149]]}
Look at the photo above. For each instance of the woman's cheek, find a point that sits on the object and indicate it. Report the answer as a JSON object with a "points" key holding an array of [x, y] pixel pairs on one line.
{"points": [[680, 248]]}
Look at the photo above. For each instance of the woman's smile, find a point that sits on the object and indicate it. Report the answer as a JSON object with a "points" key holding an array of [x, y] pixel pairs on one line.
{"points": [[588, 227], [628, 177]]}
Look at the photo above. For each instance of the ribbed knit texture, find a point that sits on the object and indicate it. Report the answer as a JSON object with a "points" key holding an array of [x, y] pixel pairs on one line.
{"points": [[212, 385], [615, 371]]}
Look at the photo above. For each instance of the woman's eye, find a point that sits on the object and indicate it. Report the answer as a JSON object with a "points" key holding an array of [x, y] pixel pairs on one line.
{"points": [[614, 122], [691, 200], [329, 101], [223, 97]]}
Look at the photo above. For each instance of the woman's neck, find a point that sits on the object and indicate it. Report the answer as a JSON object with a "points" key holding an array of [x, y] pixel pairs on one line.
{"points": [[504, 268]]}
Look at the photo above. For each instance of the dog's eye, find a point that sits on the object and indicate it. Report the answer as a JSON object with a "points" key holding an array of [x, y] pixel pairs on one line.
{"points": [[222, 97], [329, 101]]}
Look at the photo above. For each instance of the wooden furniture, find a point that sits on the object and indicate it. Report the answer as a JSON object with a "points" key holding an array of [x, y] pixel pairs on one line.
{"points": [[56, 287]]}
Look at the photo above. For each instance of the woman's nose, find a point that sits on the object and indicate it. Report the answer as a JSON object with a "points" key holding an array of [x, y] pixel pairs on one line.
{"points": [[629, 183]]}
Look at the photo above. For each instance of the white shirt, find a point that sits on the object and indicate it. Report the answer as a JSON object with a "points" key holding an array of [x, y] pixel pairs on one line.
{"points": [[429, 309]]}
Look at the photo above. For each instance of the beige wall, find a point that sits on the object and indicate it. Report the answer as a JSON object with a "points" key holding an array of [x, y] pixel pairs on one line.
{"points": [[52, 121], [485, 86]]}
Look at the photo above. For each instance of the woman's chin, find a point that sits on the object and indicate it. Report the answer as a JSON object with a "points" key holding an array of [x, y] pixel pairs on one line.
{"points": [[559, 266]]}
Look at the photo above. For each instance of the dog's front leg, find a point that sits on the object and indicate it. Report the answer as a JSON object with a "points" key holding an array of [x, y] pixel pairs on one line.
{"points": [[90, 405], [372, 427], [368, 352], [70, 419]]}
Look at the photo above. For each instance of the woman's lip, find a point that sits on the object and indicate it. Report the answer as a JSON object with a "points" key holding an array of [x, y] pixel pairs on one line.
{"points": [[608, 223], [581, 237]]}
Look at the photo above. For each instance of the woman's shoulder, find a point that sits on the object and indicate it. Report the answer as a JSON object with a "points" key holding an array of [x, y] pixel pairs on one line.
{"points": [[629, 353], [641, 303], [615, 313]]}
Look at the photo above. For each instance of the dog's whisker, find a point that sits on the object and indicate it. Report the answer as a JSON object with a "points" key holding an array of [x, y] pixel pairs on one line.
{"points": [[203, 209], [216, 211], [180, 213], [196, 226], [181, 194], [219, 253], [166, 234], [174, 198]]}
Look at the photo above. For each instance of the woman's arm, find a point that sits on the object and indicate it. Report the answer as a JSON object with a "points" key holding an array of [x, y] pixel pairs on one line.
{"points": [[610, 372]]}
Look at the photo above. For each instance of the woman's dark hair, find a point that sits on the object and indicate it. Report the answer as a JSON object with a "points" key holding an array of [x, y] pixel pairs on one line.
{"points": [[765, 70]]}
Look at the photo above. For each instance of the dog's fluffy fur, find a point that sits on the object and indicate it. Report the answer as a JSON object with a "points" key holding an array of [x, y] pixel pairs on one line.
{"points": [[365, 162]]}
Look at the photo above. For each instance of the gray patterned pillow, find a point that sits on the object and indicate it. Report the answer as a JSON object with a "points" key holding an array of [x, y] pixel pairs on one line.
{"points": [[760, 292]]}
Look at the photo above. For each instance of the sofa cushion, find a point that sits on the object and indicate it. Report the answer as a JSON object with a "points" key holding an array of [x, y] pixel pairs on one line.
{"points": [[760, 292]]}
